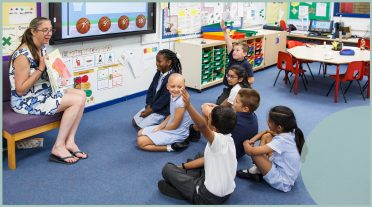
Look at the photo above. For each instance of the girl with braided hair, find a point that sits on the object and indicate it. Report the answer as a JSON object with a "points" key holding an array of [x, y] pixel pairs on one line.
{"points": [[158, 96], [278, 156]]}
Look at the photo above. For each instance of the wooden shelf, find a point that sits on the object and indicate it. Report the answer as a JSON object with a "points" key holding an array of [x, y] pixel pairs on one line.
{"points": [[191, 52]]}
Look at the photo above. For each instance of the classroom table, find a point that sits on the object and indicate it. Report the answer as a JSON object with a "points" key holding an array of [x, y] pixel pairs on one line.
{"points": [[325, 54], [320, 39]]}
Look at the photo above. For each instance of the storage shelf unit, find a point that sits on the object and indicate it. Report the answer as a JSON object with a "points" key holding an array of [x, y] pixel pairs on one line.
{"points": [[204, 61], [203, 64], [255, 54]]}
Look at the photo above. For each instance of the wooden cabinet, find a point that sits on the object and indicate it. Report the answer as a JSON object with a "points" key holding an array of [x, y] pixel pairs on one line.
{"points": [[203, 64], [204, 60], [275, 41]]}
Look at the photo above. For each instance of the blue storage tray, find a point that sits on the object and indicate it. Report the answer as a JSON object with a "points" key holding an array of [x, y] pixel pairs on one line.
{"points": [[211, 29]]}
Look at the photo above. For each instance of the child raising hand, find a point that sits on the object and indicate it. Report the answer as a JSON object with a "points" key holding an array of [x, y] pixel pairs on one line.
{"points": [[215, 183]]}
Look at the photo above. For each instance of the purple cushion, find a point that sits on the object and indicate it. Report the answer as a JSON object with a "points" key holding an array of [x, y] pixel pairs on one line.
{"points": [[6, 82], [14, 122]]}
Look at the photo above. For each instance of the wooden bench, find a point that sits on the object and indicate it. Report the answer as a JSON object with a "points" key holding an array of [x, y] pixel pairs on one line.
{"points": [[18, 126]]}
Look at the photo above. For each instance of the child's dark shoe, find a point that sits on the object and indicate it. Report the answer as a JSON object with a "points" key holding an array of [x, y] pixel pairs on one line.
{"points": [[178, 146], [194, 135], [247, 175], [168, 190]]}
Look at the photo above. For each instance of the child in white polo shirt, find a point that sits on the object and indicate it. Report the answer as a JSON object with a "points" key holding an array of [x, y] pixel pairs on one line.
{"points": [[215, 183]]}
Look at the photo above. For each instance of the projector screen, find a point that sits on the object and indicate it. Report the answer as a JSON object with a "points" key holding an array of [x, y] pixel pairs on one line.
{"points": [[93, 20]]}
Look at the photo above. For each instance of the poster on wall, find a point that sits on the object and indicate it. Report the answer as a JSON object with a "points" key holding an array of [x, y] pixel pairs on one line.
{"points": [[254, 14], [184, 20], [180, 19], [94, 69], [83, 80], [16, 19], [109, 76]]}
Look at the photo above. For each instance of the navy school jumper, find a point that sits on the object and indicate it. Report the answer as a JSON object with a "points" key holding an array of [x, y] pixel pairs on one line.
{"points": [[159, 101]]}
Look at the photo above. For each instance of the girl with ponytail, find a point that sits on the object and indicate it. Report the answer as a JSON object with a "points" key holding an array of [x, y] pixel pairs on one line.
{"points": [[277, 159], [31, 91]]}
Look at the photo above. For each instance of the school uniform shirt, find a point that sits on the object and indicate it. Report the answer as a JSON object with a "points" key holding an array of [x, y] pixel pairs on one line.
{"points": [[233, 92], [244, 63], [220, 165], [246, 127], [165, 137], [286, 162]]}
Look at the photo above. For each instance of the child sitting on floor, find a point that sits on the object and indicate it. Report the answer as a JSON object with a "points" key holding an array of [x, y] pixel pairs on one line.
{"points": [[246, 103], [157, 97], [216, 183], [278, 158], [172, 132], [236, 79]]}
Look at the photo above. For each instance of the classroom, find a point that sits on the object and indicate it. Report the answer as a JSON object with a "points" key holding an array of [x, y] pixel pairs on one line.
{"points": [[181, 103]]}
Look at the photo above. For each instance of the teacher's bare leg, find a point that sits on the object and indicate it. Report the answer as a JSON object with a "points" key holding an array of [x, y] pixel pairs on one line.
{"points": [[71, 105], [70, 142]]}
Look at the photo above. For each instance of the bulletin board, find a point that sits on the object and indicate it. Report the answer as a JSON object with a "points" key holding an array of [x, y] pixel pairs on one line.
{"points": [[310, 10], [276, 11], [180, 19], [186, 19], [16, 19], [254, 14]]}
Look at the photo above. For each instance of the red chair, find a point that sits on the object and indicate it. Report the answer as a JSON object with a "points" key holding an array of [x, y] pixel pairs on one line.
{"points": [[366, 73], [285, 63], [293, 43], [367, 67], [283, 25], [353, 72]]}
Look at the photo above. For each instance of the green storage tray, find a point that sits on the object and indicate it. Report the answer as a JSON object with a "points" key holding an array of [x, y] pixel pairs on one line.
{"points": [[206, 79], [218, 63], [206, 60], [248, 33], [206, 72], [218, 57], [218, 68], [218, 76], [206, 76], [219, 51], [206, 66], [206, 53]]}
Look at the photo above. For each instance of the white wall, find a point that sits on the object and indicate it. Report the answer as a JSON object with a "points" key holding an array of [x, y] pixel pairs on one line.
{"points": [[121, 45]]}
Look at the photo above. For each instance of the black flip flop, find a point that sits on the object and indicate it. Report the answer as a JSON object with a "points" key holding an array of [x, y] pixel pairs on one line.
{"points": [[62, 160], [81, 152]]}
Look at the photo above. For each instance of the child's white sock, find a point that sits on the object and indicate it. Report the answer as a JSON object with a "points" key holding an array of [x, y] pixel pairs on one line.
{"points": [[169, 148]]}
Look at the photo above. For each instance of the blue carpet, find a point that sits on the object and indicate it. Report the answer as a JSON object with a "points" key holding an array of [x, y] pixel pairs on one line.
{"points": [[119, 173]]}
